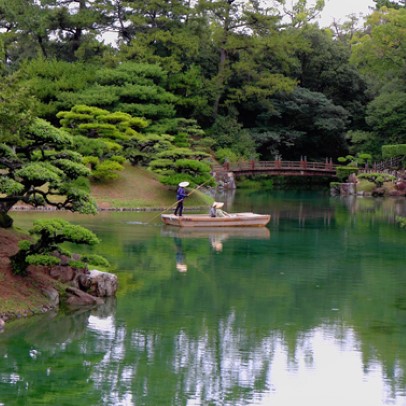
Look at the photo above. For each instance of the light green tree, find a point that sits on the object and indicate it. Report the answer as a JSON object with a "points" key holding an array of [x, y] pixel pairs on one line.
{"points": [[379, 51], [100, 135]]}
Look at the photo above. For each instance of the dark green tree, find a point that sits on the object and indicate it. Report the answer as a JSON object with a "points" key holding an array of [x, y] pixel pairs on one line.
{"points": [[390, 4], [386, 116], [133, 88], [180, 164], [54, 82], [325, 68], [62, 29], [176, 37], [232, 23], [136, 89], [304, 123], [37, 161], [46, 250], [42, 168]]}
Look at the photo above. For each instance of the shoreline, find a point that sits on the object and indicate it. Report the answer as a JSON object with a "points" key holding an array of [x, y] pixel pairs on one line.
{"points": [[103, 209]]}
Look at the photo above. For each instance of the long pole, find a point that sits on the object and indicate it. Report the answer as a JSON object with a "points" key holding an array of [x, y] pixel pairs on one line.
{"points": [[174, 204]]}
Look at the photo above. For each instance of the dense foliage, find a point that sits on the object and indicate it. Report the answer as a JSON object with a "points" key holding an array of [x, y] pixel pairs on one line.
{"points": [[46, 248], [237, 79], [38, 163]]}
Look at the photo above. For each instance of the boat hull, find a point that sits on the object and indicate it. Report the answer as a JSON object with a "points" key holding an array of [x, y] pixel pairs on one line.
{"points": [[204, 220]]}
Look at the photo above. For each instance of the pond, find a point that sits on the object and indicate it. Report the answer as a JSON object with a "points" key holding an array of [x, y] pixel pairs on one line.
{"points": [[310, 310]]}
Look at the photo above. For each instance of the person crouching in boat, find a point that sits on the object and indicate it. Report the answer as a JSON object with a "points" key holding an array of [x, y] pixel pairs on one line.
{"points": [[180, 197], [215, 210]]}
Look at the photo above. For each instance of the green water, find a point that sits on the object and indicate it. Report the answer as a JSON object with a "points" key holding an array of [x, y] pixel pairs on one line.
{"points": [[308, 311]]}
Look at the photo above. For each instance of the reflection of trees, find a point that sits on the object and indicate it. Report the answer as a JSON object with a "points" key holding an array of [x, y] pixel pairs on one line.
{"points": [[298, 207], [218, 366], [381, 208], [45, 363], [212, 335]]}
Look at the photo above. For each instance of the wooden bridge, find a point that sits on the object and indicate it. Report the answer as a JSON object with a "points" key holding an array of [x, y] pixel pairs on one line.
{"points": [[277, 168]]}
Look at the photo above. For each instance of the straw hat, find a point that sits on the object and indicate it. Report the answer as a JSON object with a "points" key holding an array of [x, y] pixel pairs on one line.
{"points": [[218, 205], [184, 184]]}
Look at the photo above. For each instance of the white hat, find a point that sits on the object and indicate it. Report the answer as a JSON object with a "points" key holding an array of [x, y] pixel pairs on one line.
{"points": [[218, 205], [183, 184]]}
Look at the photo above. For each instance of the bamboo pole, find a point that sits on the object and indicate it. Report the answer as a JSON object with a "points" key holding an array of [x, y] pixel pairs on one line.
{"points": [[174, 204]]}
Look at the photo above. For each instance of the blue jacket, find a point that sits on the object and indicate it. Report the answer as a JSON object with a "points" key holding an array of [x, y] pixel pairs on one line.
{"points": [[181, 193]]}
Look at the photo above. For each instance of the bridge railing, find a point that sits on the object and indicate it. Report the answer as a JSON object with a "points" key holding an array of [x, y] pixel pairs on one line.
{"points": [[276, 165]]}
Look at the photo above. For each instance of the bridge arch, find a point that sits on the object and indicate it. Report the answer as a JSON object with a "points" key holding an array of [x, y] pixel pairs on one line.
{"points": [[279, 167]]}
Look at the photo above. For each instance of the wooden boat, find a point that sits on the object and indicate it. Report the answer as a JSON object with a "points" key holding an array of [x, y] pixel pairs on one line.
{"points": [[204, 220]]}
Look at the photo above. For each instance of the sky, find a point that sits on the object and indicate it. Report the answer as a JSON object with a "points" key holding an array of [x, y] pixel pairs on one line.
{"points": [[339, 9]]}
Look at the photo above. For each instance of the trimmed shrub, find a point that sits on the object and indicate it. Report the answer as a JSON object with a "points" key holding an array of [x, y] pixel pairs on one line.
{"points": [[343, 172]]}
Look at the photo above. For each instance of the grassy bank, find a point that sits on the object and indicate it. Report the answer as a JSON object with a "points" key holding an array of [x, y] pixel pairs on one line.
{"points": [[138, 188]]}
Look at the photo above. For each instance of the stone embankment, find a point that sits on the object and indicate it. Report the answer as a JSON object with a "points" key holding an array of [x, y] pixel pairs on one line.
{"points": [[82, 287], [355, 187], [46, 288]]}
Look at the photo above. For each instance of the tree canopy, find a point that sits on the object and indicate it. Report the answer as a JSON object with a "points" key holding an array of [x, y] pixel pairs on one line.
{"points": [[254, 79], [37, 161]]}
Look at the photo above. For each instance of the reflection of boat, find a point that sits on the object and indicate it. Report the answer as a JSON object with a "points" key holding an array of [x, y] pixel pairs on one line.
{"points": [[217, 232], [204, 220]]}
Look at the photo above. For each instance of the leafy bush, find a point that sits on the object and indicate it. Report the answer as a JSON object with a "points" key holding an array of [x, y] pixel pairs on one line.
{"points": [[378, 178], [343, 172], [182, 140], [106, 171], [182, 153], [175, 178], [45, 249], [95, 260], [45, 260], [159, 165], [118, 158], [92, 161], [77, 264], [189, 166], [401, 220], [205, 144], [393, 151], [359, 159], [365, 185], [226, 153]]}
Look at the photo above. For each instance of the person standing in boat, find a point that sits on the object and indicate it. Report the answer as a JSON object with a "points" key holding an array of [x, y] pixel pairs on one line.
{"points": [[180, 197]]}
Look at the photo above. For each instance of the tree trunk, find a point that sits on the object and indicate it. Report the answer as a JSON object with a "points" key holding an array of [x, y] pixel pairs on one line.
{"points": [[6, 204], [5, 220]]}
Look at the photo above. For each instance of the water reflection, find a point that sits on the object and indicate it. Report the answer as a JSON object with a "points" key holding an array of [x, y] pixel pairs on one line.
{"points": [[180, 256], [65, 328], [387, 208], [314, 315], [215, 235], [212, 232]]}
